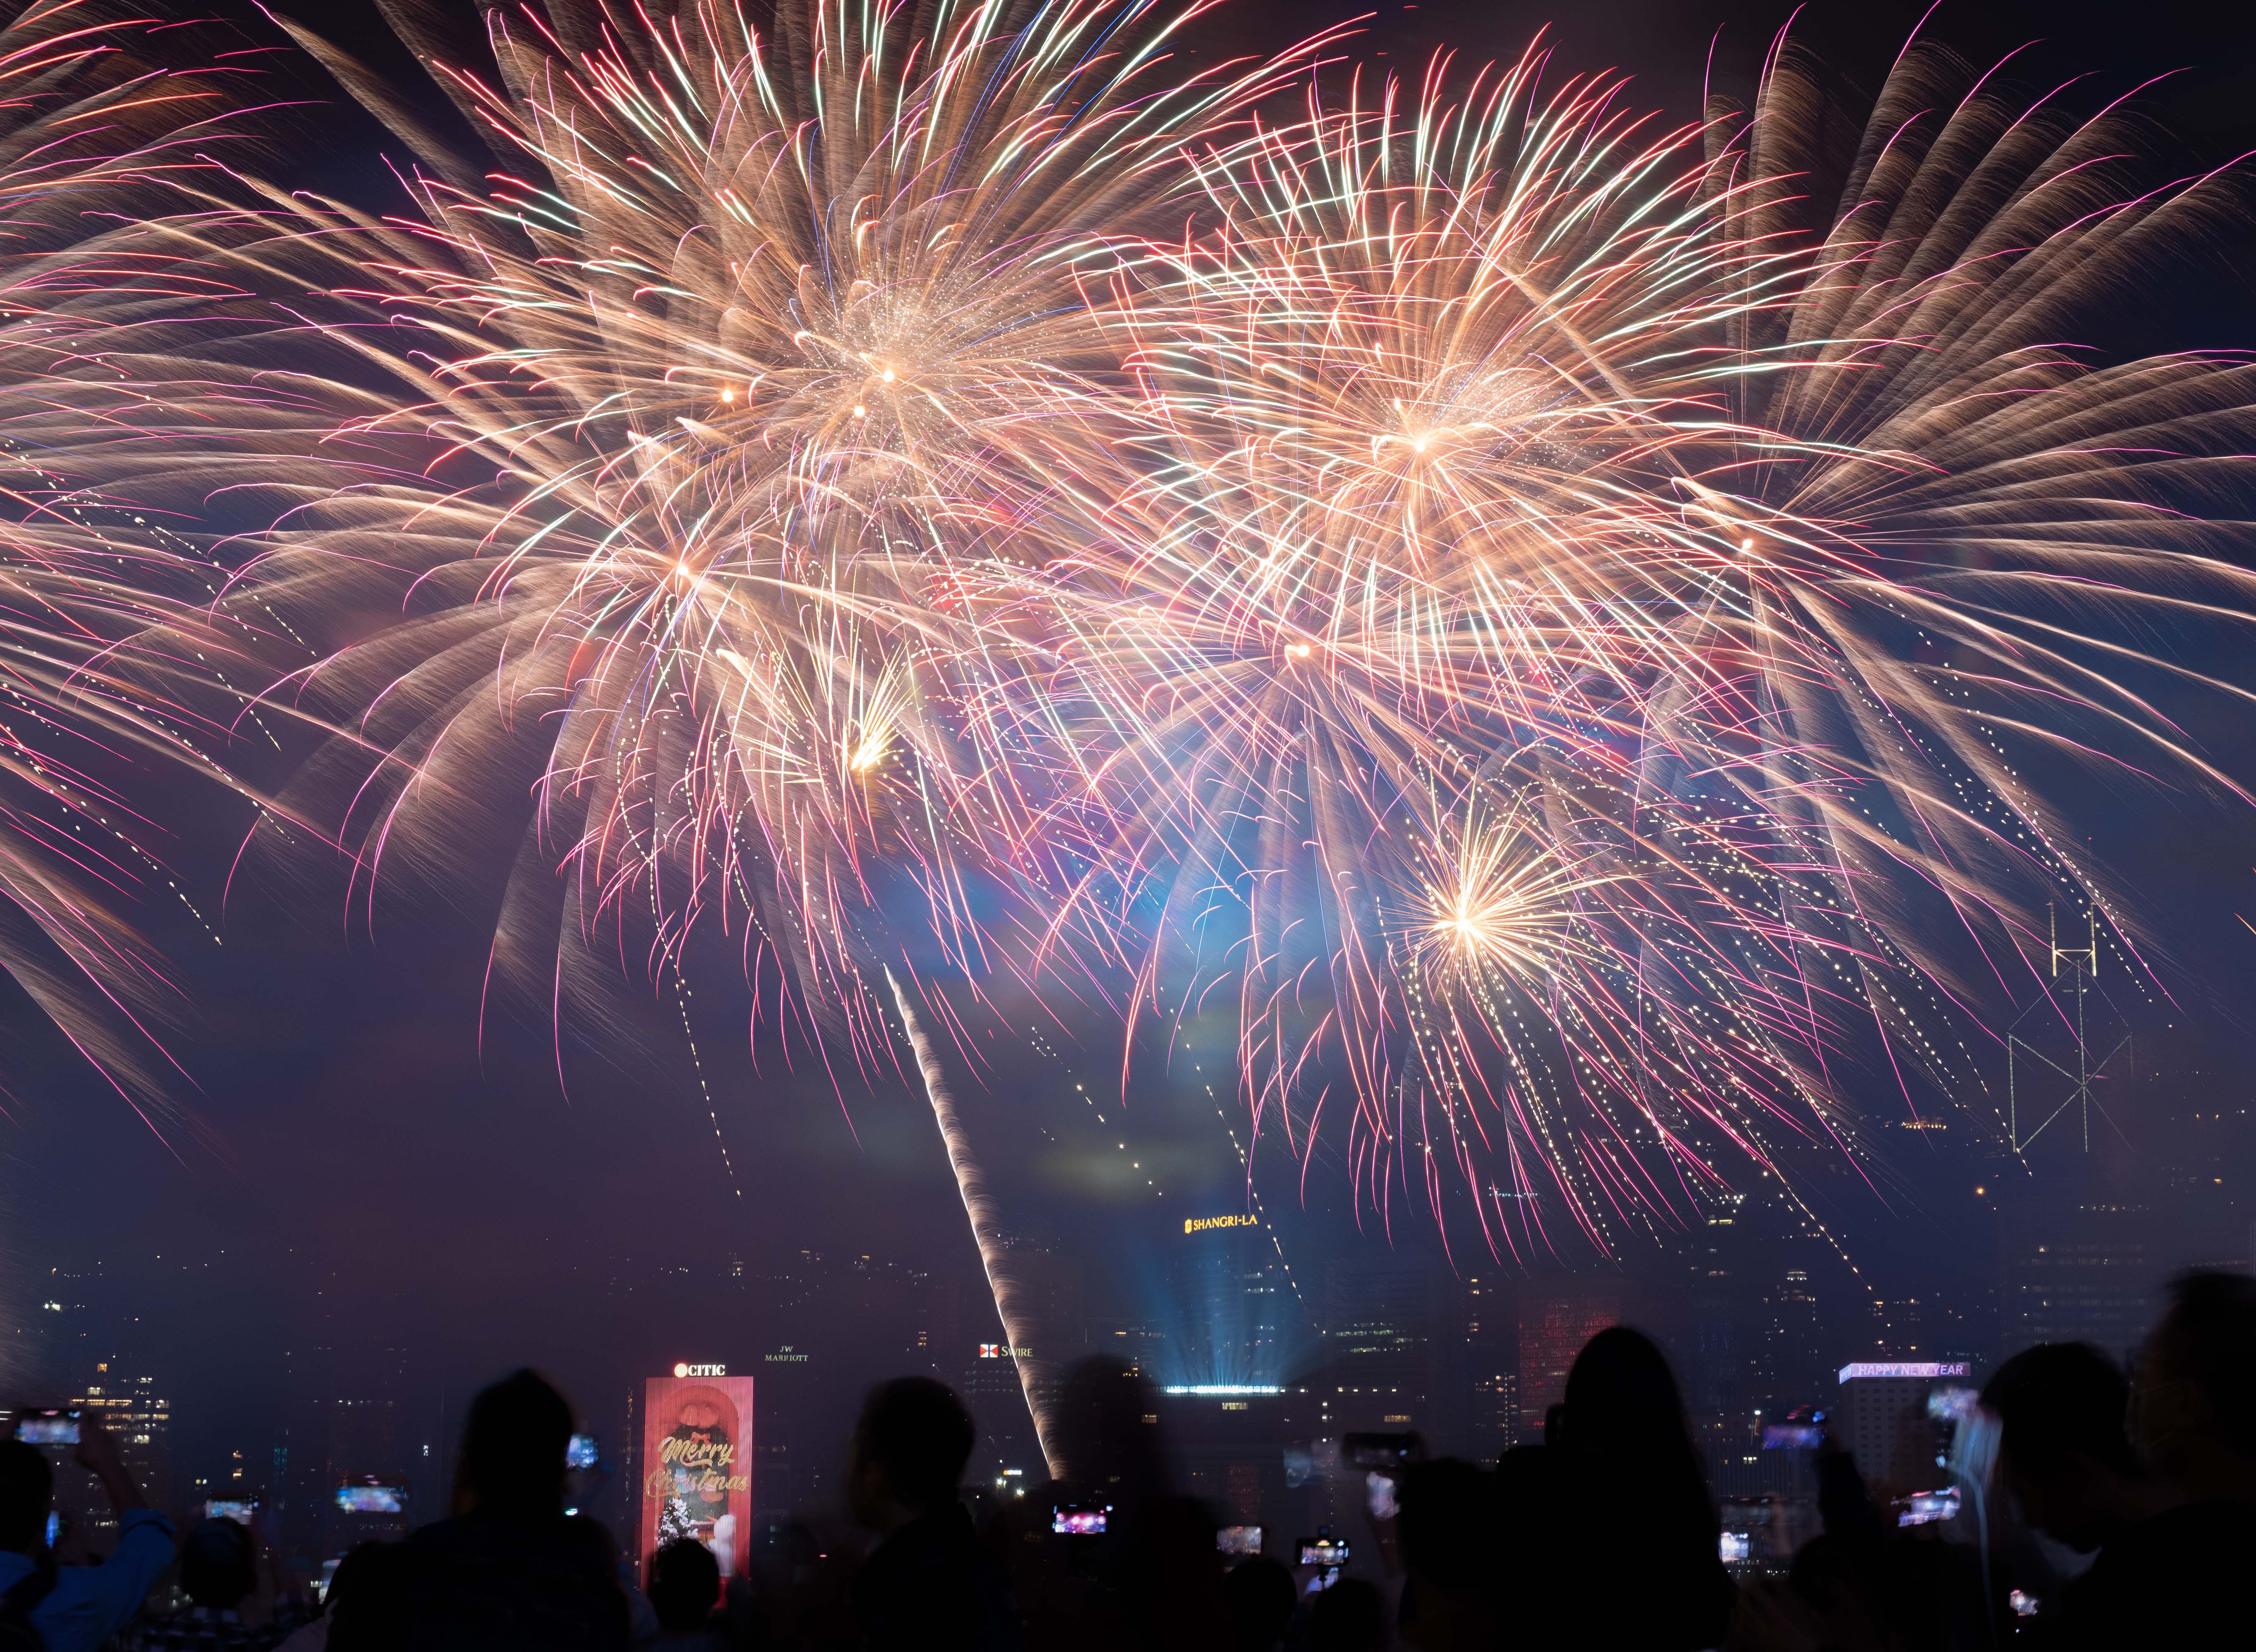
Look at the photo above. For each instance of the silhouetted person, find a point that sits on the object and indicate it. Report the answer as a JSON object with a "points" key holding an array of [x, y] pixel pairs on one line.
{"points": [[685, 1589], [1864, 1583], [1644, 1568], [355, 1572], [2062, 1448], [73, 1608], [1261, 1602], [1447, 1530], [219, 1572], [2193, 1403], [510, 1571], [1350, 1616], [2171, 1580], [927, 1585], [1155, 1578]]}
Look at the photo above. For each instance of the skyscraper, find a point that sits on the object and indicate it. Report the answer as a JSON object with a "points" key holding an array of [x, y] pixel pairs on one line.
{"points": [[124, 1400], [1553, 1323], [997, 1399], [1384, 1326], [1234, 1313], [1796, 1363], [2079, 1272], [1477, 1379], [1885, 1424]]}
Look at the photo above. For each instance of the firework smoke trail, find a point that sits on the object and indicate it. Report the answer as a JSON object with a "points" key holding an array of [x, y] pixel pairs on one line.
{"points": [[986, 1229]]}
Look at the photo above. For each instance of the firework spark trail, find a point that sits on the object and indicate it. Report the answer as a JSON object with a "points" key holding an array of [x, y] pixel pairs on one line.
{"points": [[90, 111], [1034, 1372]]}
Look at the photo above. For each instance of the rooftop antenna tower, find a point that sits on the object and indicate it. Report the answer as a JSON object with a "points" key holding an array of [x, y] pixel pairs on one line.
{"points": [[2075, 972]]}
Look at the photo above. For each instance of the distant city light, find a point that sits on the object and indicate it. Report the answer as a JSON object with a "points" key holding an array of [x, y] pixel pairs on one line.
{"points": [[1231, 1388], [1949, 1369]]}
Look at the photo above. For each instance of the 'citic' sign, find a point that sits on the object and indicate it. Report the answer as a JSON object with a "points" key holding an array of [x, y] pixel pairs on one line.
{"points": [[1201, 1223], [686, 1370]]}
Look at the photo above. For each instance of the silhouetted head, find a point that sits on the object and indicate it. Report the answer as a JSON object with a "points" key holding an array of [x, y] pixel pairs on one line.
{"points": [[1622, 1399], [1447, 1523], [1261, 1602], [361, 1562], [685, 1581], [1106, 1423], [2062, 1448], [909, 1451], [27, 1487], [366, 1600], [2193, 1412], [513, 1446], [218, 1566], [1350, 1616], [1633, 1484]]}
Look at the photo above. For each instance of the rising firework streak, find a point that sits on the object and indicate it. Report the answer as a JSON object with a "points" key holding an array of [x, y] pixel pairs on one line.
{"points": [[986, 1230]]}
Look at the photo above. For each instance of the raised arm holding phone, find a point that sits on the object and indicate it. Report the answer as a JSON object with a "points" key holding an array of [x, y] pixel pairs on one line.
{"points": [[71, 1608]]}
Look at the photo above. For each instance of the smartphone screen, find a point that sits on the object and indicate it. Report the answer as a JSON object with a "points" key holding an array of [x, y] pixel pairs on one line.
{"points": [[1324, 1551], [1793, 1437], [242, 1510], [46, 1428], [1079, 1522], [1237, 1541], [369, 1500], [581, 1452], [1380, 1450]]}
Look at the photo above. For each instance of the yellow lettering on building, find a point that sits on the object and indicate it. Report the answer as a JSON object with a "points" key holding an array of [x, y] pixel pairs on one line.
{"points": [[1201, 1223]]}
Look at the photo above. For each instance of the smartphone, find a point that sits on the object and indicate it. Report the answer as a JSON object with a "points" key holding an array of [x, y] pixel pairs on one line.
{"points": [[1239, 1542], [1793, 1437], [1380, 1496], [241, 1510], [1923, 1508], [47, 1427], [1324, 1551], [1080, 1522], [1380, 1450], [1732, 1546], [580, 1453], [370, 1500]]}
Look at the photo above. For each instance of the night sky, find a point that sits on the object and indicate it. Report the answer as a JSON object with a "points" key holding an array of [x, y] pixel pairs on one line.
{"points": [[348, 1151]]}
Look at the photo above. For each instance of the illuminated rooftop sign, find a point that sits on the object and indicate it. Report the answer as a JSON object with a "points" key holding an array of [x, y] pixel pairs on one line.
{"points": [[1953, 1368], [1201, 1223], [683, 1368], [1217, 1389]]}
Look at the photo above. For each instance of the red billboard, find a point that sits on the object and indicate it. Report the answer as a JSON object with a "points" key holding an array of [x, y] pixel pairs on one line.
{"points": [[697, 1465]]}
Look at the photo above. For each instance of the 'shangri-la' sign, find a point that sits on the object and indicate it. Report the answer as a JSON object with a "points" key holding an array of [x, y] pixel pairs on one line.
{"points": [[1201, 1223]]}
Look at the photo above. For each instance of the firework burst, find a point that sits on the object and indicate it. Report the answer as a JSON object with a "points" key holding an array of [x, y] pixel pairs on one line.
{"points": [[1561, 651], [90, 116], [674, 431], [1540, 611]]}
